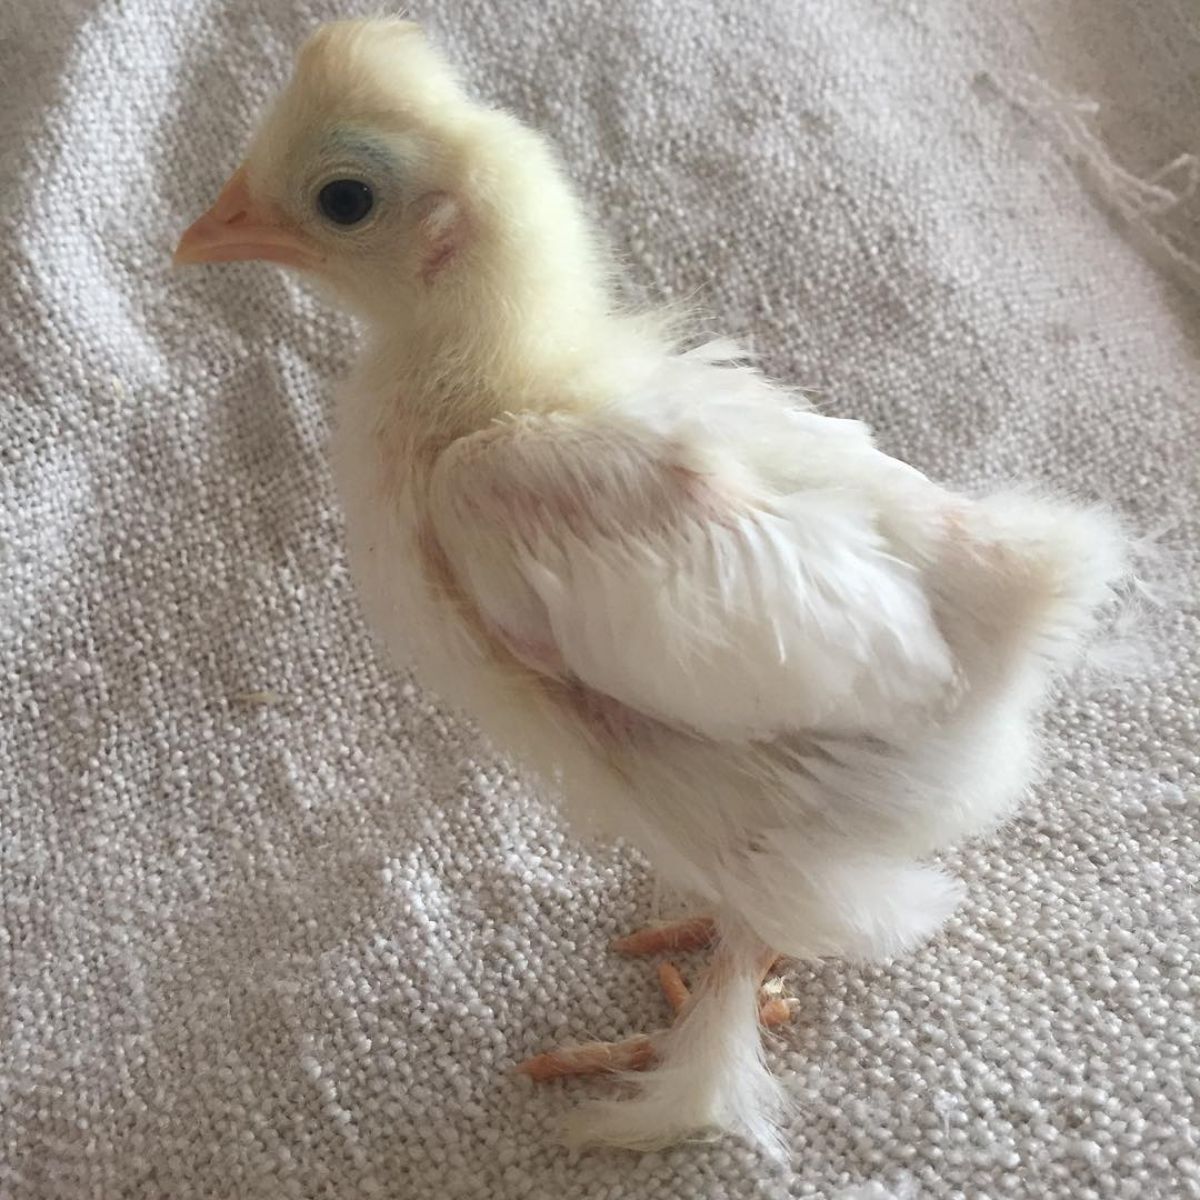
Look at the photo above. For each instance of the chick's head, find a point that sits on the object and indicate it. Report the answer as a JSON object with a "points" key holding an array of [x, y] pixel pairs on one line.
{"points": [[358, 173]]}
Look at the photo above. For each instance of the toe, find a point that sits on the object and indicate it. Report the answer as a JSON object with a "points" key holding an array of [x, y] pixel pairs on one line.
{"points": [[590, 1058], [691, 934], [673, 987], [776, 1011]]}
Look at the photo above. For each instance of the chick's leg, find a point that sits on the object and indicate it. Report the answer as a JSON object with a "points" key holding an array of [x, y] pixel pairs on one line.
{"points": [[637, 1053], [710, 1073]]}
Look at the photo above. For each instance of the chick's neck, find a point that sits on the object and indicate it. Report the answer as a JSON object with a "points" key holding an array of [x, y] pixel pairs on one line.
{"points": [[456, 375], [517, 322]]}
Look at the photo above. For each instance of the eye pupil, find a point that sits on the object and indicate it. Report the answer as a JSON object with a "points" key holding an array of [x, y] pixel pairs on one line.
{"points": [[345, 201]]}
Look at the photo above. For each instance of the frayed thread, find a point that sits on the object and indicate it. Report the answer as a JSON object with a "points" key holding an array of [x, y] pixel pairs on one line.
{"points": [[1142, 204], [903, 1189]]}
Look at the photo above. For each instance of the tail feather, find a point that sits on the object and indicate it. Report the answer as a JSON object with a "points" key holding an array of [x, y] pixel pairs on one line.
{"points": [[1077, 558], [1021, 587]]}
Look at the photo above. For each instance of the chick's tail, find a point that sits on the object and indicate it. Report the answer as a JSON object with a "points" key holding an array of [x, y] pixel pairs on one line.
{"points": [[1023, 583], [711, 1076]]}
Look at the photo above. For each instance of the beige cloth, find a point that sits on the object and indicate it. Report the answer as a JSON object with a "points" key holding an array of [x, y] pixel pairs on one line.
{"points": [[274, 923]]}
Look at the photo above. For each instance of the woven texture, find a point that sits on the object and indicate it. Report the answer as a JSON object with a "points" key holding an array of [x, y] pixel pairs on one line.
{"points": [[274, 922]]}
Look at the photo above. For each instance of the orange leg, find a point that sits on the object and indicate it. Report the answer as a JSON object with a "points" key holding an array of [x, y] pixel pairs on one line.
{"points": [[590, 1058], [694, 933], [673, 987]]}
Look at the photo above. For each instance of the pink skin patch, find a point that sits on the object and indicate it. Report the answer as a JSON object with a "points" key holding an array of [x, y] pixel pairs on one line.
{"points": [[609, 721], [531, 511], [538, 654], [606, 720], [437, 259], [672, 496], [443, 230]]}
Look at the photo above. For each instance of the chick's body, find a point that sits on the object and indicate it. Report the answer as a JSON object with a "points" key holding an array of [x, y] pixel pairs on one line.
{"points": [[782, 663]]}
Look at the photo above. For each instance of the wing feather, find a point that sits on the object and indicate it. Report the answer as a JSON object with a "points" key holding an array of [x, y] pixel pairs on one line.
{"points": [[679, 594]]}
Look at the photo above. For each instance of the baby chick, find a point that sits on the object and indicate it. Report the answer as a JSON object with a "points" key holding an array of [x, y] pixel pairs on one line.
{"points": [[783, 664]]}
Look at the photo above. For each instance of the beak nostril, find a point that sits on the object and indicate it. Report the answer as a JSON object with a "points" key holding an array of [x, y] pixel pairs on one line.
{"points": [[239, 226]]}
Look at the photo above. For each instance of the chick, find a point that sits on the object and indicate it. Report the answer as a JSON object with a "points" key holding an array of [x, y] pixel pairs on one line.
{"points": [[785, 665]]}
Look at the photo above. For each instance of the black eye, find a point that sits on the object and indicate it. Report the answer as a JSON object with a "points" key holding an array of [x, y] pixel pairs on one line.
{"points": [[345, 201]]}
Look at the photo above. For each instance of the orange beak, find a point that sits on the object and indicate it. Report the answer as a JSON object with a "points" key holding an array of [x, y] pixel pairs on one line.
{"points": [[238, 227]]}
